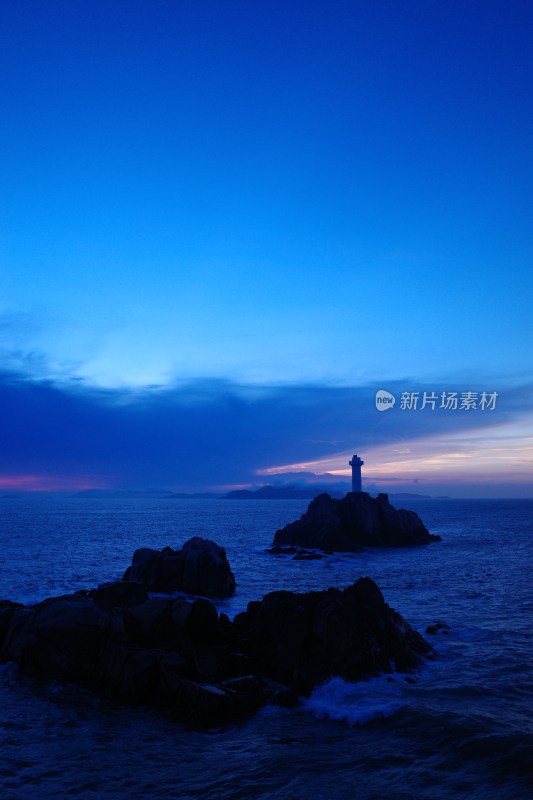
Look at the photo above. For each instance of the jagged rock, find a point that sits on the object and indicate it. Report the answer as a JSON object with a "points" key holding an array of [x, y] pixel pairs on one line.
{"points": [[302, 640], [205, 704], [438, 627], [132, 673], [298, 553], [352, 522], [276, 694], [119, 594], [62, 638], [7, 609], [200, 667], [200, 567]]}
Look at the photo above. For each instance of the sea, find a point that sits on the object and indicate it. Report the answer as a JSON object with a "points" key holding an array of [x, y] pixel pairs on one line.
{"points": [[460, 727]]}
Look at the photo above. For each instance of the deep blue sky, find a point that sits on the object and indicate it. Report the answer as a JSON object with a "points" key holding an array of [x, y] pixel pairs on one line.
{"points": [[334, 194]]}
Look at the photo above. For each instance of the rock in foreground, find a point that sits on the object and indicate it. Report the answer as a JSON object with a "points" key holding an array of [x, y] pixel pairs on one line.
{"points": [[354, 521], [196, 665], [201, 567], [302, 640]]}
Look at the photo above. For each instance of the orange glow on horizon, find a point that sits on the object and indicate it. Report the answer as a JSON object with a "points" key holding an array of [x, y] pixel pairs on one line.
{"points": [[502, 455]]}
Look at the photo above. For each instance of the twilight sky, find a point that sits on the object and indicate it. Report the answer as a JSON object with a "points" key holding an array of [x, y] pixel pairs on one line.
{"points": [[225, 225]]}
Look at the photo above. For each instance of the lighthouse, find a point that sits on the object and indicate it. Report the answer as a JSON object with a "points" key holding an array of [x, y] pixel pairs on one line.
{"points": [[356, 463]]}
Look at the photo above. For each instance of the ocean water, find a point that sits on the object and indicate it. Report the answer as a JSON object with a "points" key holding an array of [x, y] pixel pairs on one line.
{"points": [[461, 729]]}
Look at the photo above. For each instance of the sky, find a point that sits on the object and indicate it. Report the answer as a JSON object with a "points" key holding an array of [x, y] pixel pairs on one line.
{"points": [[224, 226]]}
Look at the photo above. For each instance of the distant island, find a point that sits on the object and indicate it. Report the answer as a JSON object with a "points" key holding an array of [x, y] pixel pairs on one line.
{"points": [[288, 491], [303, 492], [270, 492], [356, 520]]}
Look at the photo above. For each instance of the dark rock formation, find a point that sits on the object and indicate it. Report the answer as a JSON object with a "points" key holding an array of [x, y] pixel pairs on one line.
{"points": [[302, 640], [200, 567], [354, 521], [297, 553], [121, 594], [7, 609], [167, 652], [438, 627], [193, 663]]}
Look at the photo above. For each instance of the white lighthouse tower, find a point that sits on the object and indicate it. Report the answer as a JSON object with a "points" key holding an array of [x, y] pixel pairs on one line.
{"points": [[356, 463]]}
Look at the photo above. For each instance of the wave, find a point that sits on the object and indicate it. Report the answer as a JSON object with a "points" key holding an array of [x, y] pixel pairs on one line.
{"points": [[357, 703]]}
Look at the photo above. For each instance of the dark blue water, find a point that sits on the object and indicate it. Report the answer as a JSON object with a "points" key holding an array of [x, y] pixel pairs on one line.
{"points": [[463, 729]]}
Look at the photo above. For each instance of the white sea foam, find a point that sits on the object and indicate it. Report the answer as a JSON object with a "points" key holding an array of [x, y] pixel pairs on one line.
{"points": [[357, 703]]}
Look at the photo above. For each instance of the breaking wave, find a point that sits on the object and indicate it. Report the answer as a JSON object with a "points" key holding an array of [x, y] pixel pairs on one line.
{"points": [[358, 703]]}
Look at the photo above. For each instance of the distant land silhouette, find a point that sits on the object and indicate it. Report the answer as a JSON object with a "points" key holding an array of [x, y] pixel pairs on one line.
{"points": [[280, 491], [300, 491]]}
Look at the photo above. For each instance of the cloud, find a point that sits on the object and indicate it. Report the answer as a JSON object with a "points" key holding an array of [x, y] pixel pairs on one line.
{"points": [[502, 455], [208, 432]]}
